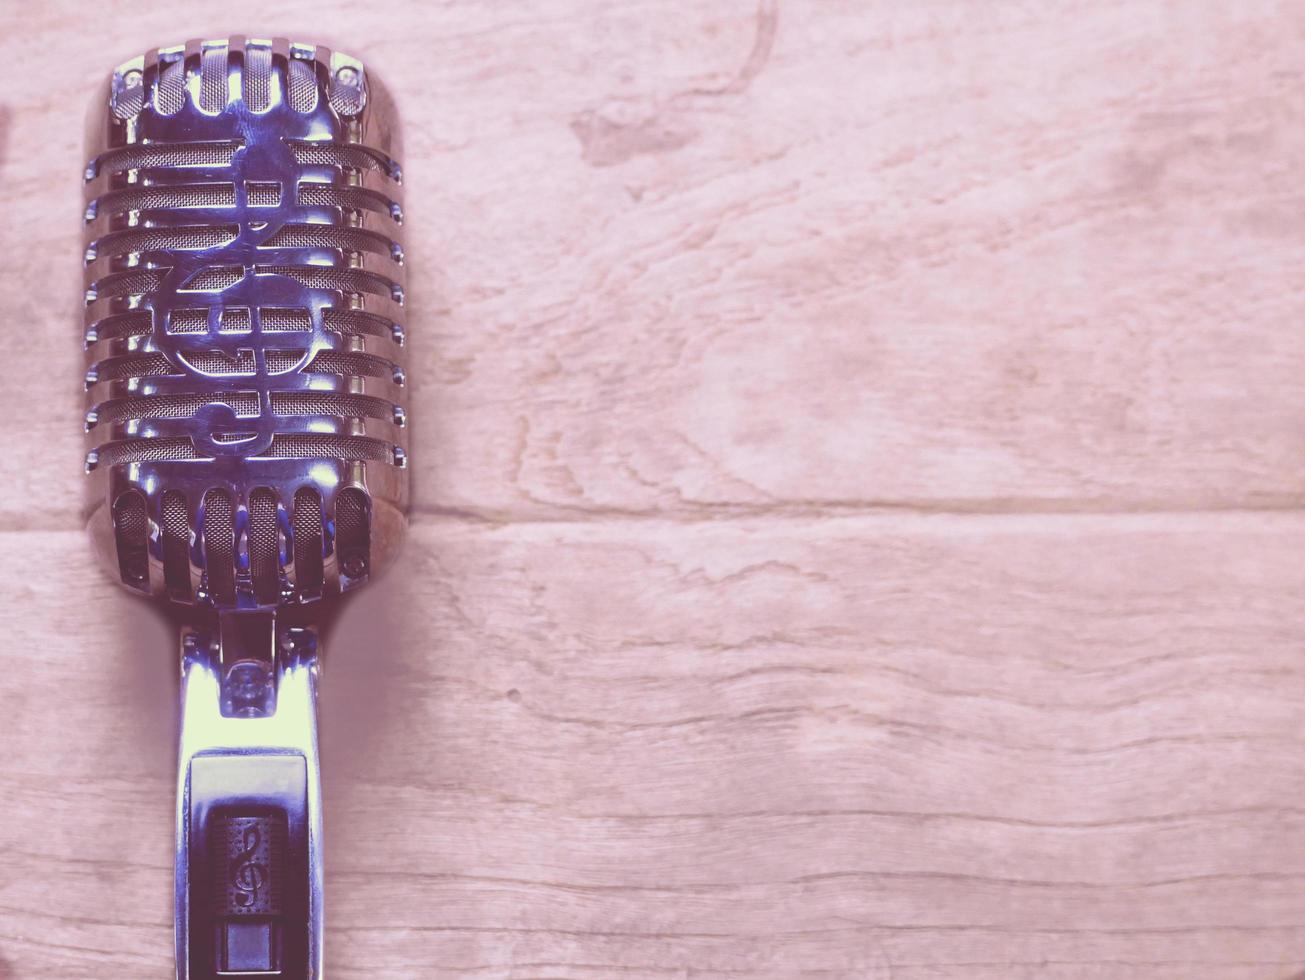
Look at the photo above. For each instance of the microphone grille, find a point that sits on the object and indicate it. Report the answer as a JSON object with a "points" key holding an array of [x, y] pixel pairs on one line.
{"points": [[244, 323]]}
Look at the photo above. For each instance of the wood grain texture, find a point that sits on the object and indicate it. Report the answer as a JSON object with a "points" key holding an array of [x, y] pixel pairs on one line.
{"points": [[859, 503]]}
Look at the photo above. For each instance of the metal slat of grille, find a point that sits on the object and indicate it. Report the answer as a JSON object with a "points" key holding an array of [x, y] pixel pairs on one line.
{"points": [[170, 93], [264, 546], [303, 86], [342, 280], [167, 196], [346, 97], [325, 445], [337, 155], [191, 320], [233, 437], [280, 319], [350, 364], [128, 101], [143, 155], [131, 535], [141, 450], [281, 361], [144, 366], [219, 362], [353, 531], [258, 77], [334, 404], [220, 545], [330, 236], [213, 79], [308, 541], [236, 319], [152, 239], [134, 324], [176, 544], [129, 283], [214, 279], [352, 323], [354, 198], [243, 403], [263, 194]]}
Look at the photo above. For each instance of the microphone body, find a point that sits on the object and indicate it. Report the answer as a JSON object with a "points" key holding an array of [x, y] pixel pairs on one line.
{"points": [[246, 434]]}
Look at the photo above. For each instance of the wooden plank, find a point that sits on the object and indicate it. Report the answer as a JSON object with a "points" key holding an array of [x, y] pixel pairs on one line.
{"points": [[874, 747], [718, 310], [702, 258]]}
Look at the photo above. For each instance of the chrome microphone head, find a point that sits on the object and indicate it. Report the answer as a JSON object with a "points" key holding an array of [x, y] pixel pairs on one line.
{"points": [[244, 324], [246, 440]]}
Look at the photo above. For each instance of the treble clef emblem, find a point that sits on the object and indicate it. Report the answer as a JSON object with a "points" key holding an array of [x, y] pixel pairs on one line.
{"points": [[247, 875], [249, 857]]}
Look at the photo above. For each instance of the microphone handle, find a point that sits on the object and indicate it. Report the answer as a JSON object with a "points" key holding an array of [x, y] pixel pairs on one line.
{"points": [[249, 802]]}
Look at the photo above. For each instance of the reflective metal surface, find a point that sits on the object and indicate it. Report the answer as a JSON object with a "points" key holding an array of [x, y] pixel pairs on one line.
{"points": [[246, 434], [244, 321], [256, 765]]}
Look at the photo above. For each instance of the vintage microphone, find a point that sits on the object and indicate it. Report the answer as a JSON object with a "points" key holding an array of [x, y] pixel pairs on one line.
{"points": [[244, 331]]}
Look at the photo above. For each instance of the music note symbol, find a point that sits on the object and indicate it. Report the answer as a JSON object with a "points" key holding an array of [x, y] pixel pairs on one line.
{"points": [[247, 875]]}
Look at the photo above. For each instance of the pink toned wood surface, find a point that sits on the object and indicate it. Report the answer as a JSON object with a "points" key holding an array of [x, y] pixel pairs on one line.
{"points": [[860, 457]]}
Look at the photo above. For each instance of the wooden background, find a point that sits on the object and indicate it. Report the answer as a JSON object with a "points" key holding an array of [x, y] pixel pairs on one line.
{"points": [[860, 528]]}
